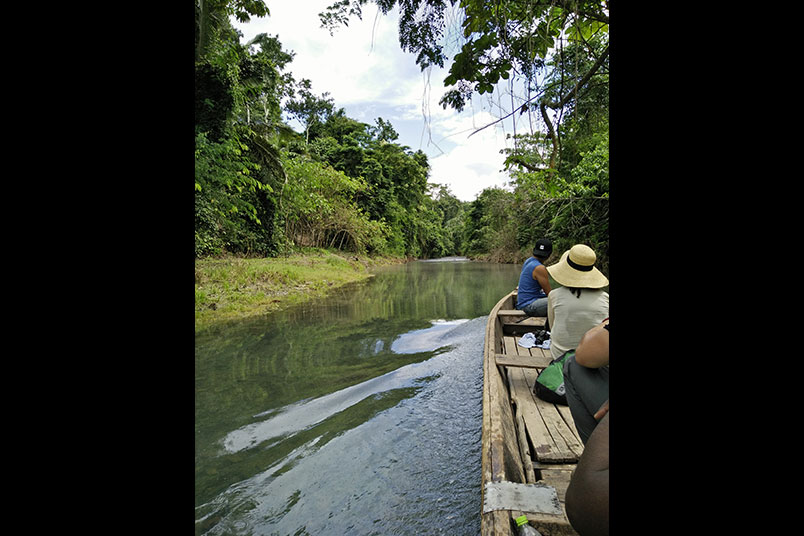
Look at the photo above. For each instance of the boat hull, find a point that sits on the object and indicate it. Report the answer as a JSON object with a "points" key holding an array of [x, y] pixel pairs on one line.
{"points": [[524, 440]]}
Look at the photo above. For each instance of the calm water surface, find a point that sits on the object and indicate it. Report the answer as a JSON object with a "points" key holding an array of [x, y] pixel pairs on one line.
{"points": [[359, 415]]}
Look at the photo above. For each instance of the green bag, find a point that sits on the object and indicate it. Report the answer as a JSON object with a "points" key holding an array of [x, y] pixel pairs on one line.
{"points": [[549, 384]]}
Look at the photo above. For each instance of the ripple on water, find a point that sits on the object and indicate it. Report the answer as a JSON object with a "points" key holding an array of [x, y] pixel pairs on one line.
{"points": [[412, 468]]}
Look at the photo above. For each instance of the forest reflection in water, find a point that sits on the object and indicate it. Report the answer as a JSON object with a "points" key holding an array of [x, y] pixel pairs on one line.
{"points": [[345, 401]]}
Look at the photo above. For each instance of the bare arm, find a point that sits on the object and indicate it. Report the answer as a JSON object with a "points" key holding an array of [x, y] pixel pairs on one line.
{"points": [[540, 275], [587, 498], [593, 348]]}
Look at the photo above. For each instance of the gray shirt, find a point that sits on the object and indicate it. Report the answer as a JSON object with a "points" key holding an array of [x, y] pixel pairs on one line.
{"points": [[570, 317]]}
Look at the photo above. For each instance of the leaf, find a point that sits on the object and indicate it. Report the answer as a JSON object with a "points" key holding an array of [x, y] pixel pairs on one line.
{"points": [[484, 87]]}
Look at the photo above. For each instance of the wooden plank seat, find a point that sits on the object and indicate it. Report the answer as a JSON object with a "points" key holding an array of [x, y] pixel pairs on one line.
{"points": [[532, 321], [521, 325], [532, 361], [511, 312]]}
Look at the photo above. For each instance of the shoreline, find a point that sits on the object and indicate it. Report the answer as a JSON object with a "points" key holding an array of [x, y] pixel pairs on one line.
{"points": [[231, 288]]}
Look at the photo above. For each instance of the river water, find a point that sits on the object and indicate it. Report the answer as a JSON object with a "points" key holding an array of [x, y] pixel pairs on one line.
{"points": [[358, 415]]}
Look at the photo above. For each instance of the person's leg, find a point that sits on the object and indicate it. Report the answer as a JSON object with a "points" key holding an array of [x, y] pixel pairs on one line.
{"points": [[537, 307], [586, 390]]}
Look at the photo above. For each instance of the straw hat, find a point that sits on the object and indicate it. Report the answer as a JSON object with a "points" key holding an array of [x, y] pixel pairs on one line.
{"points": [[577, 269]]}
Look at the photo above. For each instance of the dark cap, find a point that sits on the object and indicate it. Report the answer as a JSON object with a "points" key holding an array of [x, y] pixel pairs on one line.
{"points": [[543, 248]]}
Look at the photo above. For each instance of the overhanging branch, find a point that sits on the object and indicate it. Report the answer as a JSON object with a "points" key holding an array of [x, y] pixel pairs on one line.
{"points": [[589, 74], [543, 105]]}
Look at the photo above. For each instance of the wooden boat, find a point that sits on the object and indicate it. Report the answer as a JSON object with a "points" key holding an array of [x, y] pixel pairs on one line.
{"points": [[530, 447]]}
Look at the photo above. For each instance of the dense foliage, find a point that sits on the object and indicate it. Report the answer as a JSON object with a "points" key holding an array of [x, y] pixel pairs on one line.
{"points": [[263, 189]]}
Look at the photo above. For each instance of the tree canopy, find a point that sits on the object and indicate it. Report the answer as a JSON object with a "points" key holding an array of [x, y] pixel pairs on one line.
{"points": [[262, 188]]}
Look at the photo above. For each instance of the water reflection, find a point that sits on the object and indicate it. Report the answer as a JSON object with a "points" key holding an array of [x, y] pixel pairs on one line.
{"points": [[306, 413], [393, 363], [422, 340]]}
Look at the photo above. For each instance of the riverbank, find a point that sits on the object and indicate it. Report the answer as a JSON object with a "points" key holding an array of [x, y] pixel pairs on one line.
{"points": [[233, 287]]}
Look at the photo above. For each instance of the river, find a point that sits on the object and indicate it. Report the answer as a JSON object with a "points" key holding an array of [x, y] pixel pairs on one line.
{"points": [[358, 415]]}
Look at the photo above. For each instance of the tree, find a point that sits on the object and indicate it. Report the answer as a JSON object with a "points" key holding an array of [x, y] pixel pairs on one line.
{"points": [[212, 17], [262, 84], [237, 163], [260, 187], [452, 218], [501, 41], [320, 208], [490, 226], [308, 109], [384, 131], [546, 163]]}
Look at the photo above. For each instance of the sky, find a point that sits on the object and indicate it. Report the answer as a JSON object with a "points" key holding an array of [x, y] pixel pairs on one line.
{"points": [[368, 75]]}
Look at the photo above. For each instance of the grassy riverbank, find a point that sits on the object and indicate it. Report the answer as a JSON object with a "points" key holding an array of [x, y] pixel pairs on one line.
{"points": [[233, 287]]}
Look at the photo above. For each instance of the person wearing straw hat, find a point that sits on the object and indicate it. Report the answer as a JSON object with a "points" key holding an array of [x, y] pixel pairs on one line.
{"points": [[580, 303], [534, 285], [577, 311]]}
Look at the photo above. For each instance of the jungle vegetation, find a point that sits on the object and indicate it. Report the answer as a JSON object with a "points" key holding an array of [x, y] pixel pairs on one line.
{"points": [[263, 189]]}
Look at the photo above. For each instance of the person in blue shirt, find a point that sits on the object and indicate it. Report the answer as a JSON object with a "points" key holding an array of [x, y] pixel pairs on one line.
{"points": [[534, 284]]}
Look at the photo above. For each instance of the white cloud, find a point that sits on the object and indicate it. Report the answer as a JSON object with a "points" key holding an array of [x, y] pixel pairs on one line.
{"points": [[474, 163], [359, 63], [367, 74]]}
